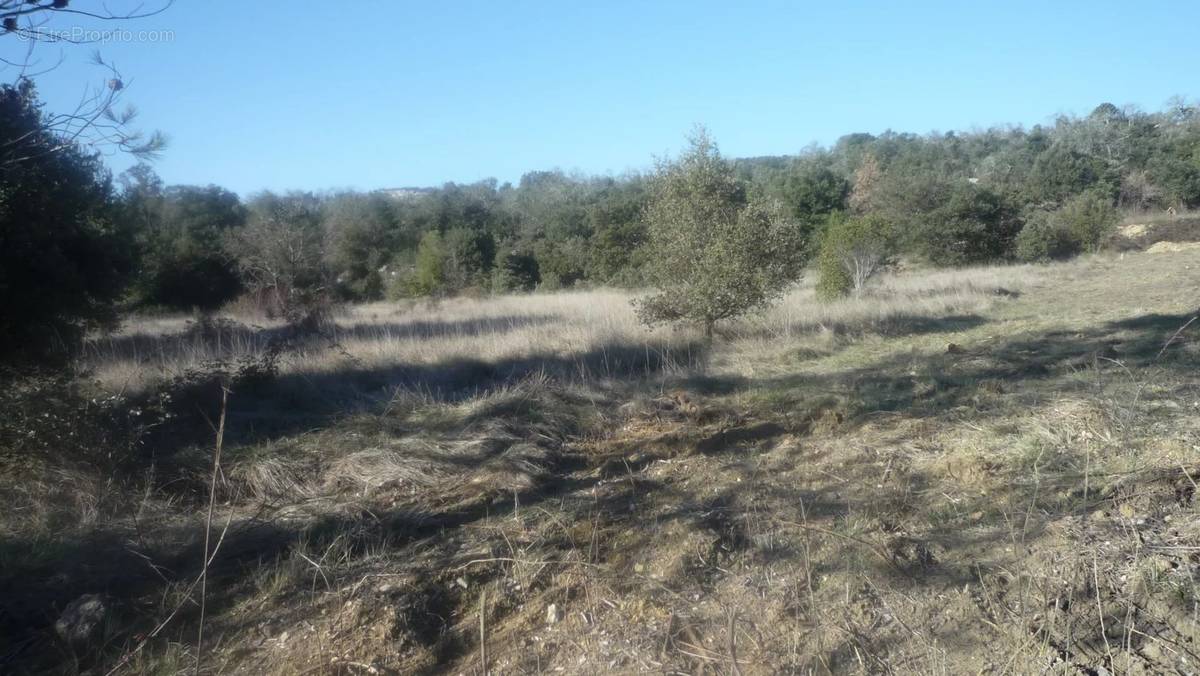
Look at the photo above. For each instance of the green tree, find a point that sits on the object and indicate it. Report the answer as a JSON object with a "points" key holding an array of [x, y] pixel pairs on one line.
{"points": [[853, 250], [516, 271], [185, 264], [430, 272], [1083, 223], [1043, 239], [469, 255], [63, 259], [812, 190], [714, 254], [361, 238]]}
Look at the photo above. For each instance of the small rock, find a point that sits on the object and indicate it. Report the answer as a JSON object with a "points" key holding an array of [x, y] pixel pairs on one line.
{"points": [[82, 619], [553, 614]]}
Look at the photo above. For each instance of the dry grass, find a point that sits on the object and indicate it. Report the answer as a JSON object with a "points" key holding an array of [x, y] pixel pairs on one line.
{"points": [[574, 328], [985, 470]]}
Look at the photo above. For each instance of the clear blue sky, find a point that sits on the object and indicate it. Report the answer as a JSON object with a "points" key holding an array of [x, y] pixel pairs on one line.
{"points": [[379, 93]]}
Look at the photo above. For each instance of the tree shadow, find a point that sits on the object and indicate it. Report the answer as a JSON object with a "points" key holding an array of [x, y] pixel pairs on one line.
{"points": [[934, 385]]}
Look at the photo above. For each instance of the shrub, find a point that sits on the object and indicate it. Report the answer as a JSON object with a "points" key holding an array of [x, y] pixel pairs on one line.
{"points": [[714, 254], [185, 265], [1042, 239], [853, 250], [517, 271], [1082, 224], [1089, 218], [429, 273], [959, 223], [191, 280]]}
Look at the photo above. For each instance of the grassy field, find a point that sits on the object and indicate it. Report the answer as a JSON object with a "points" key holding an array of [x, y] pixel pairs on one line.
{"points": [[984, 470]]}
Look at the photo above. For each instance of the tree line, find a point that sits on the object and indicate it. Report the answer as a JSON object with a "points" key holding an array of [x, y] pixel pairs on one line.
{"points": [[78, 244]]}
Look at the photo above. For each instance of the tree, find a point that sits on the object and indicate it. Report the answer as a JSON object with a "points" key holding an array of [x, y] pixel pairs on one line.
{"points": [[866, 184], [361, 238], [952, 223], [469, 255], [63, 259], [516, 271], [1042, 239], [1083, 223], [182, 231], [853, 250], [1089, 218], [280, 255], [429, 276], [714, 254], [812, 190]]}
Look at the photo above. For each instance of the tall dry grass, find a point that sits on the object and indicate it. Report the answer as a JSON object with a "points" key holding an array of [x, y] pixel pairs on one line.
{"points": [[559, 327]]}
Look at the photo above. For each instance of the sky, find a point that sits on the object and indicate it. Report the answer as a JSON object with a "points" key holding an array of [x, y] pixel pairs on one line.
{"points": [[310, 95]]}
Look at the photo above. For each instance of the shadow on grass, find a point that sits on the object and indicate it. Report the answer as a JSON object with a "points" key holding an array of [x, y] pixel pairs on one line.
{"points": [[298, 401], [920, 386], [930, 385], [224, 336]]}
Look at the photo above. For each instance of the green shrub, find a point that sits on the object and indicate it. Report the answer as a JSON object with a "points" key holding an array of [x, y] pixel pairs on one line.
{"points": [[1042, 239], [517, 271], [1083, 223], [190, 280], [1089, 218], [714, 254], [853, 251]]}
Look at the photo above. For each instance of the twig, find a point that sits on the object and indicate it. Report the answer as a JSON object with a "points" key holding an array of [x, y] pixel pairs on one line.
{"points": [[504, 559], [483, 656], [212, 499], [1174, 336], [876, 549], [1100, 608], [733, 660]]}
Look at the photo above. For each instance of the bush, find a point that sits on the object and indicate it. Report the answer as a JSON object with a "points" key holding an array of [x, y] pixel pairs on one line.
{"points": [[201, 280], [185, 265], [1082, 224], [972, 225], [1089, 218], [517, 271], [429, 274], [853, 250], [714, 254], [1042, 239]]}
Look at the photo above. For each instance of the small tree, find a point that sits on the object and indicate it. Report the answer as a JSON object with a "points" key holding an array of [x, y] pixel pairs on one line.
{"points": [[1090, 218], [516, 271], [1082, 224], [714, 254], [1044, 239], [281, 257], [853, 251]]}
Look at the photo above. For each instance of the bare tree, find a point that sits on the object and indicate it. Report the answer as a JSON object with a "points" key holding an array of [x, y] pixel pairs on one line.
{"points": [[30, 19], [96, 121]]}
